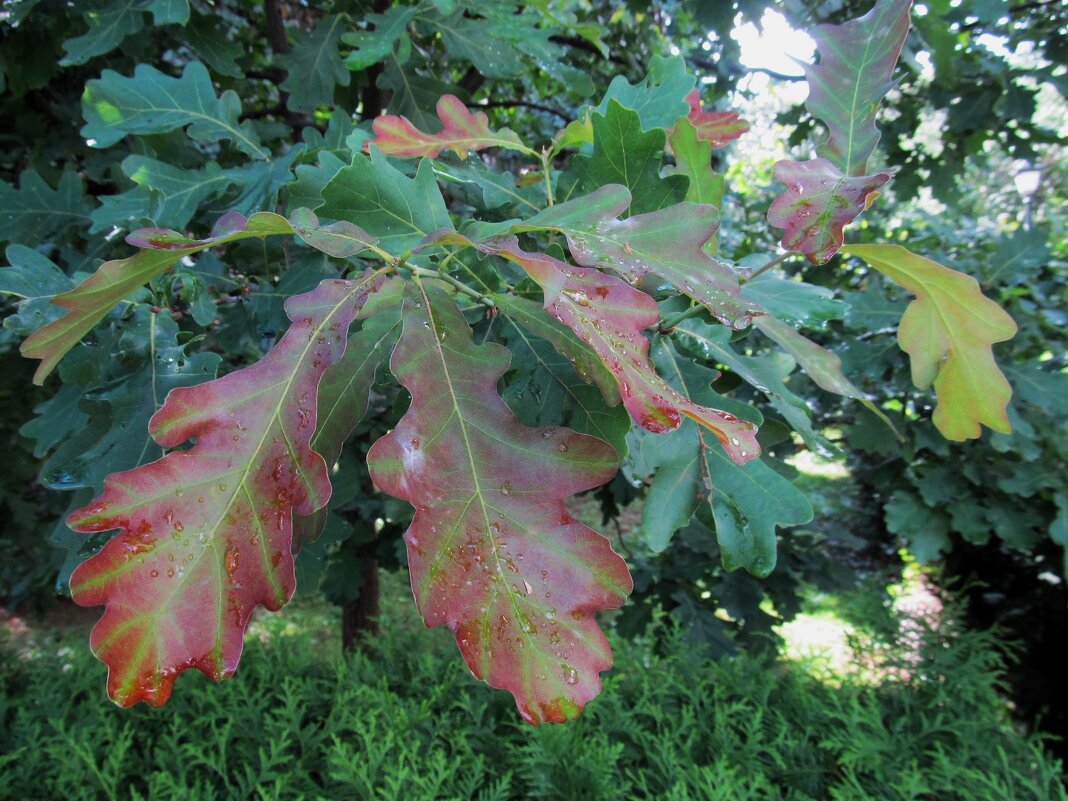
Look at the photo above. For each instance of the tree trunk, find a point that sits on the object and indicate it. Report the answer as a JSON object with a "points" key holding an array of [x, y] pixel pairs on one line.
{"points": [[359, 617]]}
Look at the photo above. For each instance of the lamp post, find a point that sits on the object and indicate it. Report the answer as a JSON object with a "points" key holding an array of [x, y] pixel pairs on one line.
{"points": [[1027, 181]]}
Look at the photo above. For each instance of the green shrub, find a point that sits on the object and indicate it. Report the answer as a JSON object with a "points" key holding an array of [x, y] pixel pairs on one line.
{"points": [[303, 723]]}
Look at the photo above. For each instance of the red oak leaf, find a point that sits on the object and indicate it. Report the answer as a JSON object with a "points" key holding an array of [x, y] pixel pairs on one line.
{"points": [[494, 553], [715, 127], [609, 315], [819, 202], [463, 131], [206, 533]]}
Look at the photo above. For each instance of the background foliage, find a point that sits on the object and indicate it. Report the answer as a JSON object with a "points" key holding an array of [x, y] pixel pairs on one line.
{"points": [[292, 93]]}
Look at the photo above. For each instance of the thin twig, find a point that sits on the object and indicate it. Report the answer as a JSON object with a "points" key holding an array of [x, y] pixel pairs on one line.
{"points": [[776, 261], [524, 104]]}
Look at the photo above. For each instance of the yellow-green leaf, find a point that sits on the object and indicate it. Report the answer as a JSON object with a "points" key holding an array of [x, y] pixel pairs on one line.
{"points": [[948, 331]]}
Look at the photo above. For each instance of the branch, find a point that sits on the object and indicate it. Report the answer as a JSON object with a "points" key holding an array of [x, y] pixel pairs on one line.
{"points": [[276, 29], [711, 66], [581, 44], [524, 104]]}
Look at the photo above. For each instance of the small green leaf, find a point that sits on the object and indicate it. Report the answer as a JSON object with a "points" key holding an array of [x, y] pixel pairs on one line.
{"points": [[151, 102], [659, 99], [35, 211], [166, 195], [625, 154], [925, 529], [693, 159], [397, 210], [314, 65]]}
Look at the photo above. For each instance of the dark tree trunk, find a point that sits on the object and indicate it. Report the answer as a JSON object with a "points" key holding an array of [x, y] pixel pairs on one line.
{"points": [[359, 617]]}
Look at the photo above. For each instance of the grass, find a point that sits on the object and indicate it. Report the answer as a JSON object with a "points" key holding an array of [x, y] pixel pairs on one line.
{"points": [[405, 720]]}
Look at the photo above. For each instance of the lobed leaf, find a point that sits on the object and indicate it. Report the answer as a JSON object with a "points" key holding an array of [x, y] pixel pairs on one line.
{"points": [[494, 553], [462, 131], [35, 211], [659, 99], [854, 73], [314, 66], [554, 371], [693, 159], [748, 502], [206, 533], [374, 45], [609, 315], [624, 153], [151, 102], [669, 243], [397, 210], [948, 332], [93, 298], [715, 127], [818, 203], [344, 391], [166, 195]]}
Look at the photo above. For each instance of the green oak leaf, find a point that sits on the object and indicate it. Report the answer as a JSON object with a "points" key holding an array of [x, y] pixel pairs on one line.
{"points": [[113, 20], [115, 436], [553, 375], [693, 159], [33, 280], [206, 35], [623, 153], [659, 99], [374, 45], [151, 102], [166, 195], [747, 501], [795, 302], [925, 529], [399, 211], [314, 65], [36, 212]]}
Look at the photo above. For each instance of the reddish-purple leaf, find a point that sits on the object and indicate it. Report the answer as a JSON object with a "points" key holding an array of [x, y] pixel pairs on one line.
{"points": [[206, 533], [818, 203], [715, 127], [494, 553], [609, 315], [854, 73], [462, 132], [669, 243]]}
